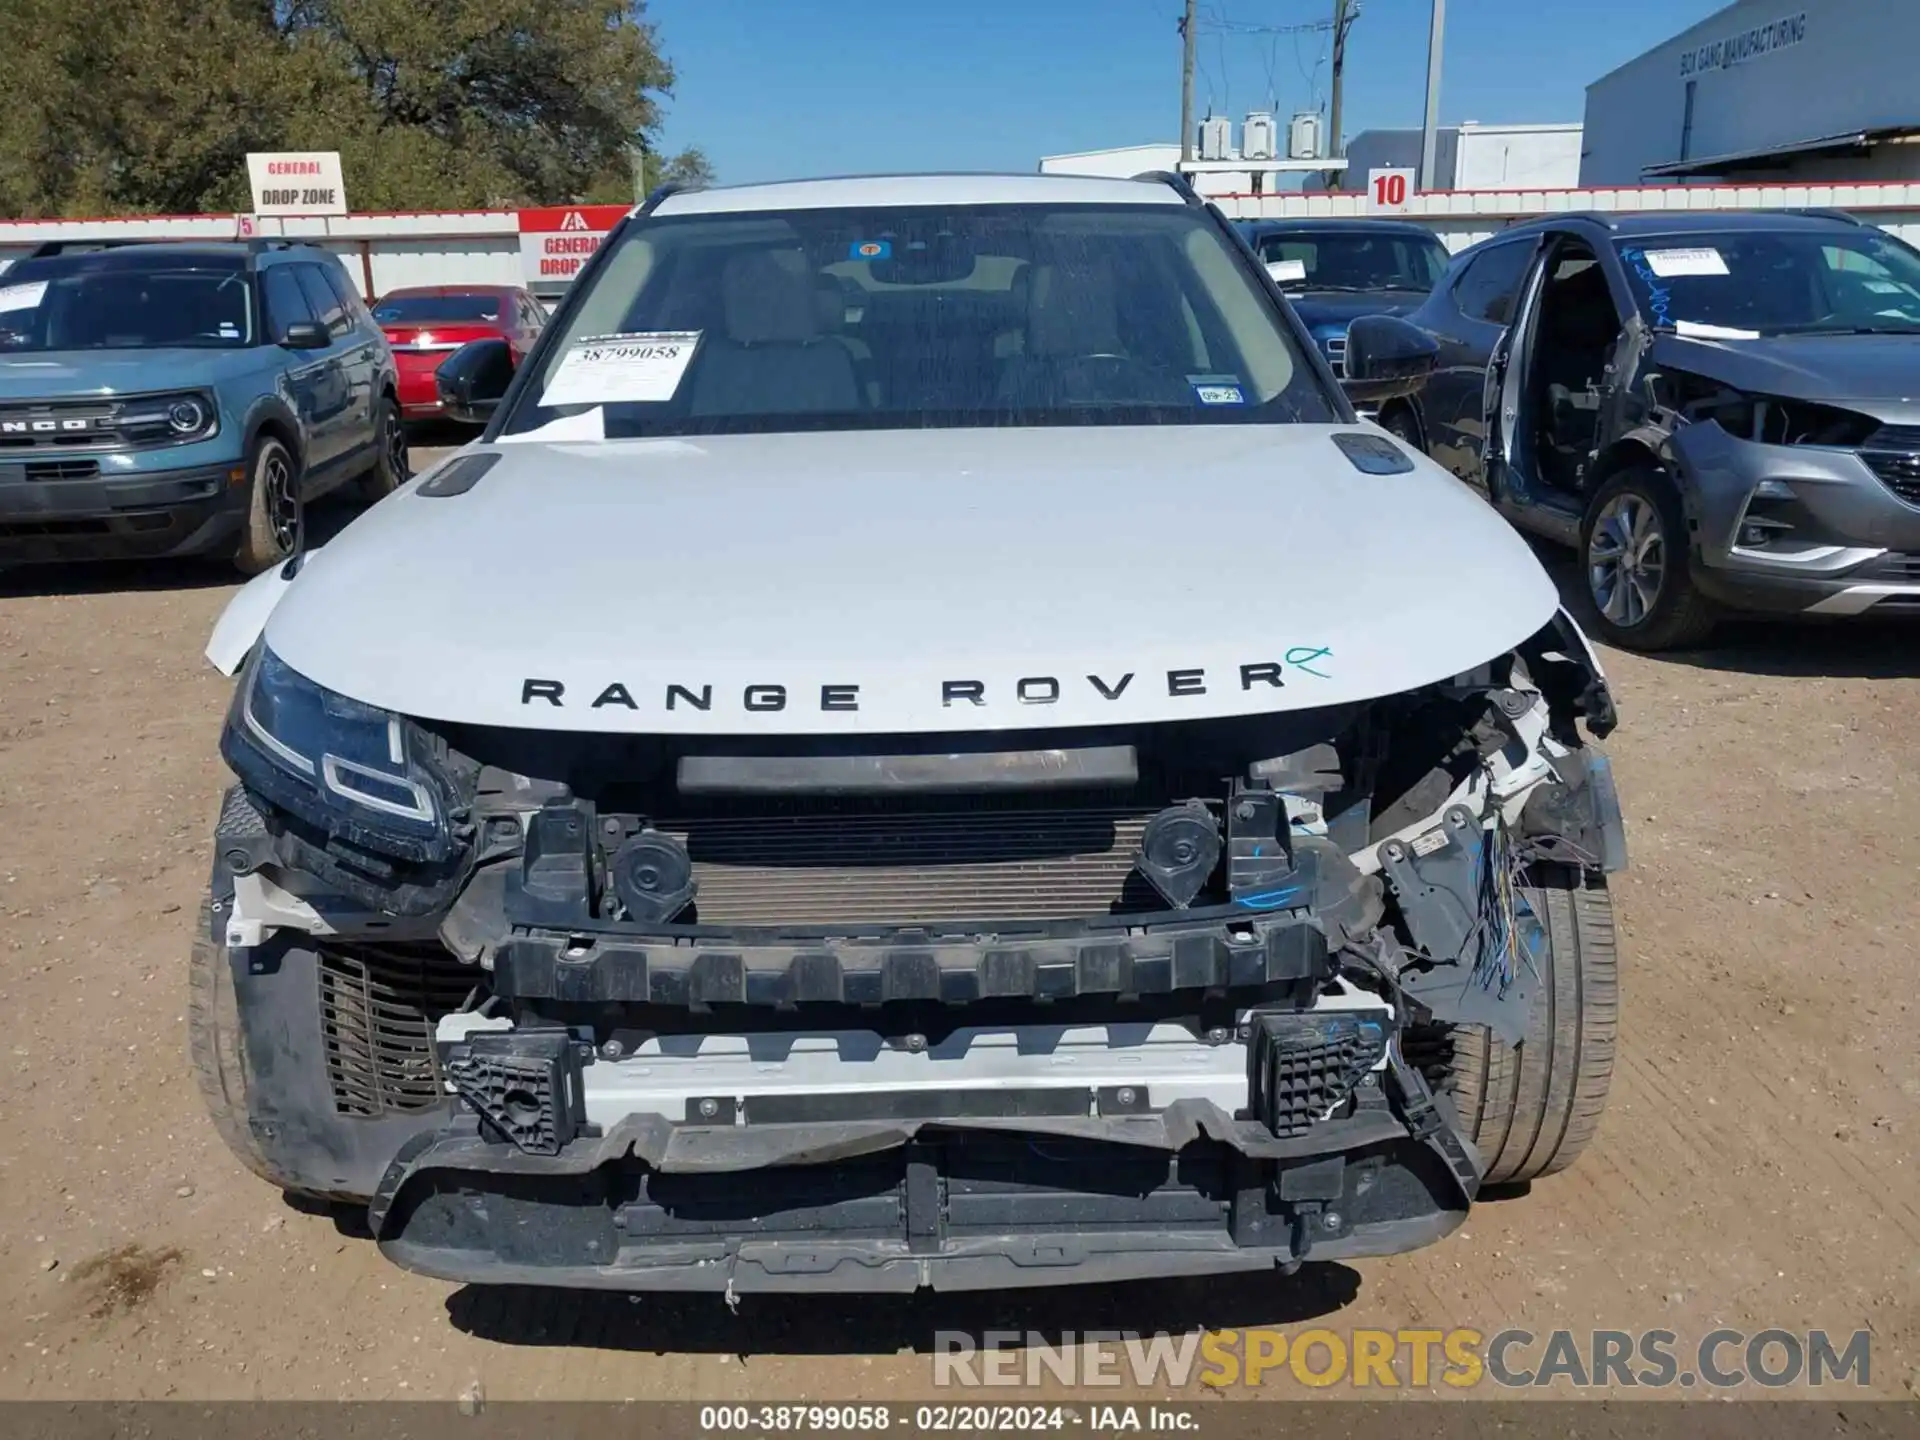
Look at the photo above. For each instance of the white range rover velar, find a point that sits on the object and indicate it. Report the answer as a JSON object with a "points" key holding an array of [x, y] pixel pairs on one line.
{"points": [[924, 745]]}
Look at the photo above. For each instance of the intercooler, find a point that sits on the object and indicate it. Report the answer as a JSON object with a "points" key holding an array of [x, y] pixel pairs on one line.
{"points": [[850, 866]]}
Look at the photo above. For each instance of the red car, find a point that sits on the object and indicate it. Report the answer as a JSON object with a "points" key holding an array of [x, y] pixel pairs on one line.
{"points": [[426, 323]]}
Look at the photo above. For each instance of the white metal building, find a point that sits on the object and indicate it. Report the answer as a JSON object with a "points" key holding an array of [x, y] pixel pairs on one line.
{"points": [[1765, 90], [1472, 156], [1125, 161]]}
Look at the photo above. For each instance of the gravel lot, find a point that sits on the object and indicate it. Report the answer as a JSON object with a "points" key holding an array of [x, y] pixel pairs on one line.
{"points": [[1760, 1164]]}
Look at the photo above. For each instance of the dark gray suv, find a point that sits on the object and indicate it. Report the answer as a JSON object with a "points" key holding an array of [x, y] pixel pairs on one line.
{"points": [[1722, 412]]}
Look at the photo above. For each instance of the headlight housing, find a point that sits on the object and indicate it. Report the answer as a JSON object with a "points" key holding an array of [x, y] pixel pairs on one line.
{"points": [[354, 770], [172, 419]]}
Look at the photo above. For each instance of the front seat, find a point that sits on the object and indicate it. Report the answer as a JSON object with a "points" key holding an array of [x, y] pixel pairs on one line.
{"points": [[1078, 350], [1576, 341], [772, 360], [1065, 322]]}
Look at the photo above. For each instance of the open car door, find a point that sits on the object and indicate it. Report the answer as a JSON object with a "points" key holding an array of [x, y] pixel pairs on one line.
{"points": [[1503, 465]]}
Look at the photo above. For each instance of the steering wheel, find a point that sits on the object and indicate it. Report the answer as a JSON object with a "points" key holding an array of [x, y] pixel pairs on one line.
{"points": [[1106, 378]]}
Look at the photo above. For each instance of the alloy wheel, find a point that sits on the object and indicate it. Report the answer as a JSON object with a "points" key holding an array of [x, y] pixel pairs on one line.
{"points": [[283, 506], [1627, 559], [394, 439]]}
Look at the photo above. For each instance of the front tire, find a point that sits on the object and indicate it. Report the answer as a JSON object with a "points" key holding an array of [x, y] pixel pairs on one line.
{"points": [[1532, 1108], [275, 513], [217, 1047], [1399, 422], [1639, 566]]}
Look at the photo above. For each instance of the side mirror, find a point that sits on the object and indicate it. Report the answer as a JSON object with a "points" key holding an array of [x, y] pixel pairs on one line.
{"points": [[305, 335], [1386, 356], [473, 378]]}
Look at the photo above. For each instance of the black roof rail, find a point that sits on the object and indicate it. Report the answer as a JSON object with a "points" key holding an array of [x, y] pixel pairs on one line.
{"points": [[1827, 212], [665, 190], [1179, 183], [78, 247], [1605, 219], [92, 245]]}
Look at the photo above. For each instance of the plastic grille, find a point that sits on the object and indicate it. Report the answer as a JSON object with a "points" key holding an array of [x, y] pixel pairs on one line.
{"points": [[1893, 454], [378, 1008]]}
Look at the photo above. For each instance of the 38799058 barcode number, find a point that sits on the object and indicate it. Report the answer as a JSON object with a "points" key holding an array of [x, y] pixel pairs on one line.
{"points": [[936, 1419]]}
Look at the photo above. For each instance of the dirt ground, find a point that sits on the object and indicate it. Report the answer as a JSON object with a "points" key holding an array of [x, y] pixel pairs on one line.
{"points": [[1759, 1165]]}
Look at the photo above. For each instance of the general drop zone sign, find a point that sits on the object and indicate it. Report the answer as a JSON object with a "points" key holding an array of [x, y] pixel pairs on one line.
{"points": [[557, 240], [305, 182]]}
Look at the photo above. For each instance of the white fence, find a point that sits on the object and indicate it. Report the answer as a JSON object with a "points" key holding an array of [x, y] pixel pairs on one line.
{"points": [[1464, 217], [484, 246], [382, 252]]}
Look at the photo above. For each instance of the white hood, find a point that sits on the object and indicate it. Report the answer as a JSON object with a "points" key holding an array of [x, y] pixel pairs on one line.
{"points": [[847, 583]]}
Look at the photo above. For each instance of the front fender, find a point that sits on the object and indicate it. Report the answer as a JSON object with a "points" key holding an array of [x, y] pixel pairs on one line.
{"points": [[274, 408], [240, 625]]}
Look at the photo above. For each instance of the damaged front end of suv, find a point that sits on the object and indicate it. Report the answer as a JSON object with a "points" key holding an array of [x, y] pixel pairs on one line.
{"points": [[952, 1010], [744, 826]]}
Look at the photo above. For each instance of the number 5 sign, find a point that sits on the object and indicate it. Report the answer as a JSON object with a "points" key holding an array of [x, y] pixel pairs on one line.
{"points": [[1388, 191]]}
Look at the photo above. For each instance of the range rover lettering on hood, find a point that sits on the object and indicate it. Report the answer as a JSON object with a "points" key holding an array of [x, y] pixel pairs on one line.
{"points": [[910, 582], [773, 697]]}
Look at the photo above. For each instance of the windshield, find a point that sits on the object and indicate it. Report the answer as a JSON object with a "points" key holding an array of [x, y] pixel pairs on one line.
{"points": [[437, 309], [74, 305], [1776, 282], [1350, 260], [987, 315]]}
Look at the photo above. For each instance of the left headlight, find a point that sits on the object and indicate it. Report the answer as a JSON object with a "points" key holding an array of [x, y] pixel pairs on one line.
{"points": [[174, 417], [351, 768]]}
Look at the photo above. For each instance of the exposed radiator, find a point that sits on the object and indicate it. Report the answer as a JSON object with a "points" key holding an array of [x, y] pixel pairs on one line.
{"points": [[829, 869]]}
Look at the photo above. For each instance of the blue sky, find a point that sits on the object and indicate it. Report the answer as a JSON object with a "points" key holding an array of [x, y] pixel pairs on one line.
{"points": [[782, 88]]}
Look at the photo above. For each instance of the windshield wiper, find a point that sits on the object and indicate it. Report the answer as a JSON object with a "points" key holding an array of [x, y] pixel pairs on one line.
{"points": [[1911, 328]]}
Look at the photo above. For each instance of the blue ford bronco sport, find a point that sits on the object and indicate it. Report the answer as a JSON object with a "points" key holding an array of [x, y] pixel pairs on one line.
{"points": [[169, 398]]}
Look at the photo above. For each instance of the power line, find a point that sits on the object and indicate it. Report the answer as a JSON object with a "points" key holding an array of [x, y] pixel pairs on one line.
{"points": [[1239, 27]]}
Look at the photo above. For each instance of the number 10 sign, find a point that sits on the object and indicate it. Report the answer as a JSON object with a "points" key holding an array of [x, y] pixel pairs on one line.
{"points": [[1389, 191]]}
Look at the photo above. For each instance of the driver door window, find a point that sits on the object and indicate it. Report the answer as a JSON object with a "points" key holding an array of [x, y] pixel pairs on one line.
{"points": [[1486, 290], [286, 301], [328, 308]]}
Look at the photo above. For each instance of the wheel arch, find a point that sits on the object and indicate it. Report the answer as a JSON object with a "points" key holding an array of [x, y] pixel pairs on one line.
{"points": [[1409, 406], [1647, 446], [271, 415]]}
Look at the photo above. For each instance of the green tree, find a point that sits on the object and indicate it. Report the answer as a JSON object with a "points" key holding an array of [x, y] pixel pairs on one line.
{"points": [[152, 105], [112, 110]]}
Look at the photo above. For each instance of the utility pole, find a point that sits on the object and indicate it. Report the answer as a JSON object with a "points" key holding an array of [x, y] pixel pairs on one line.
{"points": [[1343, 12], [1430, 130], [1189, 35]]}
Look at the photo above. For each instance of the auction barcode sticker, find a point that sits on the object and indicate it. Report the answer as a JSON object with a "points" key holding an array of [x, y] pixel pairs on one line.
{"points": [[1669, 263], [614, 369]]}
